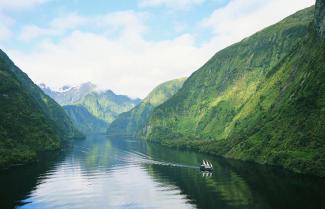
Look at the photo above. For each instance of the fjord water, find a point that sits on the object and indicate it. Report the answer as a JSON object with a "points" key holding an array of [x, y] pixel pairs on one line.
{"points": [[127, 173]]}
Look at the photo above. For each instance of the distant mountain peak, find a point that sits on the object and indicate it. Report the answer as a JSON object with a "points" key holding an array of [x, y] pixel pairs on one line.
{"points": [[109, 92], [103, 104], [43, 86], [88, 84], [320, 16], [65, 88]]}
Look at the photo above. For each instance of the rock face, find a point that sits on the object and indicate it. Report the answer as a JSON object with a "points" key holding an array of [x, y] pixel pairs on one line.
{"points": [[320, 16]]}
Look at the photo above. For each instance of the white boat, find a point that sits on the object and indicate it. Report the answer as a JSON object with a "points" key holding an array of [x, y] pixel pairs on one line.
{"points": [[206, 166]]}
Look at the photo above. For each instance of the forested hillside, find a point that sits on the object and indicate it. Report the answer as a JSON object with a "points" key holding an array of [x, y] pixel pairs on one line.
{"points": [[30, 121], [91, 106], [131, 123], [261, 99]]}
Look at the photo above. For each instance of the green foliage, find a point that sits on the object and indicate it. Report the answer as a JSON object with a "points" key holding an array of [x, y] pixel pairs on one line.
{"points": [[104, 105], [133, 121], [261, 99], [84, 120], [30, 121], [107, 105]]}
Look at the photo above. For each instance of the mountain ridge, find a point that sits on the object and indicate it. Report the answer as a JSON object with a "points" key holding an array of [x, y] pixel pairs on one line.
{"points": [[258, 100], [132, 122], [100, 105], [30, 121], [84, 120]]}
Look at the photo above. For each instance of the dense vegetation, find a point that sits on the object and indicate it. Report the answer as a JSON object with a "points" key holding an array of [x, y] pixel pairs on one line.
{"points": [[132, 122], [30, 121], [101, 105], [84, 120], [107, 105], [261, 99]]}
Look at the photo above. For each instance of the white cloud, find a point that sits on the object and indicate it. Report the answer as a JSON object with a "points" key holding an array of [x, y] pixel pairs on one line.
{"points": [[58, 26], [126, 23], [5, 25], [30, 32], [242, 18], [69, 21], [132, 69], [19, 4], [7, 22], [173, 4], [126, 63]]}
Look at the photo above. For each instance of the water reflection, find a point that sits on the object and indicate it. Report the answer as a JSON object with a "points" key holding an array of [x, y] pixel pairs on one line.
{"points": [[206, 174], [127, 173]]}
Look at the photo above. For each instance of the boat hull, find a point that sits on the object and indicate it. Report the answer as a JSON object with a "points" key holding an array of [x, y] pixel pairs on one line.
{"points": [[204, 168]]}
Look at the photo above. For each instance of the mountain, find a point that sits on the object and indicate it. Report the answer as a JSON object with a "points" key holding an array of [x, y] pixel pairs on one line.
{"points": [[104, 105], [260, 100], [30, 121], [69, 95], [132, 122], [84, 120]]}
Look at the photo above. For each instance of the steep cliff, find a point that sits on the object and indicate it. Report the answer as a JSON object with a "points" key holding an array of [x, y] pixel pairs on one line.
{"points": [[261, 99]]}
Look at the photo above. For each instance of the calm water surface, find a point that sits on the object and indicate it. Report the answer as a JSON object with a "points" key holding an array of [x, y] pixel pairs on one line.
{"points": [[126, 173]]}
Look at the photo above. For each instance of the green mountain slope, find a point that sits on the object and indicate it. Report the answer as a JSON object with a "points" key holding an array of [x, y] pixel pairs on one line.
{"points": [[30, 121], [133, 121], [107, 105], [261, 99], [84, 120]]}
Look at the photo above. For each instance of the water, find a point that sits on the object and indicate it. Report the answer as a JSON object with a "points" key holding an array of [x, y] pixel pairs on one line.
{"points": [[126, 173]]}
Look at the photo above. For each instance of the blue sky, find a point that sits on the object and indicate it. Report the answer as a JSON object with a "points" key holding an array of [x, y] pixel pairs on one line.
{"points": [[129, 46], [163, 20]]}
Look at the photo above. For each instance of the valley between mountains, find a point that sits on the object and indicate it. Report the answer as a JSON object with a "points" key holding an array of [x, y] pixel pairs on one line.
{"points": [[259, 100]]}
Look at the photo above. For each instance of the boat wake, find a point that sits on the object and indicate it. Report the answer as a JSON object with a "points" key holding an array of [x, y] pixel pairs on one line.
{"points": [[141, 158]]}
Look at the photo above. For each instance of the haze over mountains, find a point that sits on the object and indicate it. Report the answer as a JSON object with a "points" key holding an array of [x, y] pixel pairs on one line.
{"points": [[96, 109], [69, 94]]}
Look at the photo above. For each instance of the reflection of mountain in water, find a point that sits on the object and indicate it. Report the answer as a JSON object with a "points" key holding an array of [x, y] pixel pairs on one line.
{"points": [[128, 173], [17, 183], [236, 184]]}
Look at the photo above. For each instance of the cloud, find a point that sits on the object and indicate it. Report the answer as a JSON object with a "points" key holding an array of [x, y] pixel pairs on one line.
{"points": [[132, 69], [19, 4], [118, 56], [173, 4], [242, 18], [7, 22], [128, 23], [57, 27], [111, 23], [125, 63], [5, 25], [30, 32], [69, 21]]}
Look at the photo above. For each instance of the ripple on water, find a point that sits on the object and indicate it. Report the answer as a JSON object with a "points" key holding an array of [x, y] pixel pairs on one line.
{"points": [[126, 174]]}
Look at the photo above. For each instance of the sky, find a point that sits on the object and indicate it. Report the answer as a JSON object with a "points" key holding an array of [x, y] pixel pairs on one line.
{"points": [[128, 46]]}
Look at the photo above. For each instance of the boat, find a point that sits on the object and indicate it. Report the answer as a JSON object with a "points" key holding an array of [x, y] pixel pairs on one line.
{"points": [[206, 166]]}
